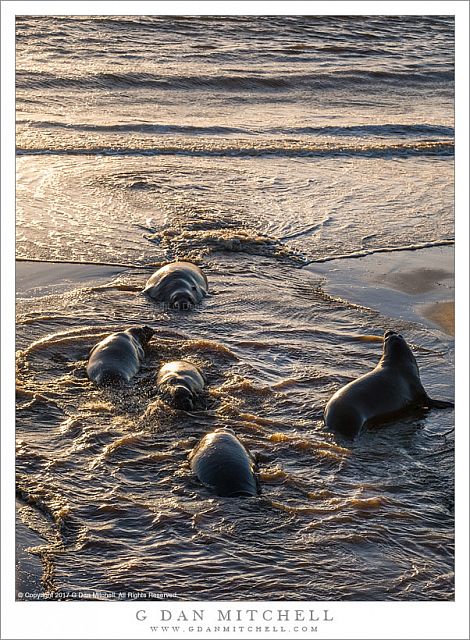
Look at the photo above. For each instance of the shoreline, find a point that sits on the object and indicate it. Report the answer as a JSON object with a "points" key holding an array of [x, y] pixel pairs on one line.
{"points": [[416, 285], [39, 278], [441, 314]]}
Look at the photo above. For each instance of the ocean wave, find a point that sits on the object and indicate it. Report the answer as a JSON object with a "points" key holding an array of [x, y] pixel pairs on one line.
{"points": [[143, 127], [328, 80], [26, 80], [379, 130], [256, 149]]}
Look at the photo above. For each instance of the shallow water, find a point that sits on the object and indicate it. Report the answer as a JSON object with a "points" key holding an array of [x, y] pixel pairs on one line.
{"points": [[252, 146]]}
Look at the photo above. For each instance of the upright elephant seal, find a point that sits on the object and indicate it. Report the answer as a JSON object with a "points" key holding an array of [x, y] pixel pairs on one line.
{"points": [[224, 465], [117, 358], [180, 383], [178, 285], [393, 386]]}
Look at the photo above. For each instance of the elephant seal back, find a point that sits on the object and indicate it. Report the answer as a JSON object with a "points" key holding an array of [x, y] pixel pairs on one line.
{"points": [[224, 465], [393, 386], [178, 285], [180, 383], [117, 358]]}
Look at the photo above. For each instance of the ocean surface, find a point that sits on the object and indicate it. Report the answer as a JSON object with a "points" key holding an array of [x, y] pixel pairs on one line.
{"points": [[253, 146]]}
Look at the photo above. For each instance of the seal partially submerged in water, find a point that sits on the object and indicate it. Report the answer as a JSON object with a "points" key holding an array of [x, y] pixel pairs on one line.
{"points": [[178, 285], [392, 387], [224, 465], [180, 383], [117, 358]]}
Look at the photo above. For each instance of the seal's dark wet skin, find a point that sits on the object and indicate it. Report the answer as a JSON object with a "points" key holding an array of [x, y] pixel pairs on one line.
{"points": [[439, 404], [178, 397], [182, 301], [144, 334], [180, 285], [393, 387], [396, 351], [180, 384], [117, 358], [182, 304], [224, 465], [183, 398]]}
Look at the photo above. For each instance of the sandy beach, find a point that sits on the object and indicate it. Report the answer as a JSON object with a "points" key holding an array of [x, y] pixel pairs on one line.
{"points": [[442, 314], [414, 285], [42, 278]]}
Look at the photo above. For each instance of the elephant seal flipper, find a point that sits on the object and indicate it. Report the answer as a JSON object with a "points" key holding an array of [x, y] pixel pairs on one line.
{"points": [[391, 388], [439, 404]]}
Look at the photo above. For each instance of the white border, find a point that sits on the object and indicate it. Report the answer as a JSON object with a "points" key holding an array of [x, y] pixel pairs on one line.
{"points": [[425, 620], [255, 7]]}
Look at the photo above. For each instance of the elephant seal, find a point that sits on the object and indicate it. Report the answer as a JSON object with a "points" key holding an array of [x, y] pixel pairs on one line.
{"points": [[393, 386], [179, 383], [117, 358], [178, 285], [224, 465]]}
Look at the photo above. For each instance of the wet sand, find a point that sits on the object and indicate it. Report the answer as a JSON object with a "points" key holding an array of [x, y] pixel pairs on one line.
{"points": [[413, 285], [442, 314], [43, 278]]}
